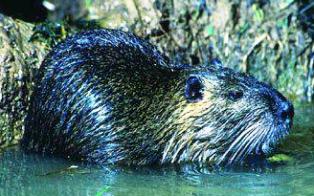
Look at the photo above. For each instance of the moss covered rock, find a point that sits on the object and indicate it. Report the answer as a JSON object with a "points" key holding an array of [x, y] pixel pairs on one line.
{"points": [[19, 60]]}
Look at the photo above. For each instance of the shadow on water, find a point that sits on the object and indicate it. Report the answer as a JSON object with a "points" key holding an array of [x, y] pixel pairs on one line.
{"points": [[22, 174]]}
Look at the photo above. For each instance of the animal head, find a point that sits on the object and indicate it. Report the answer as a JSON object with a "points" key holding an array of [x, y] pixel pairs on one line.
{"points": [[226, 117]]}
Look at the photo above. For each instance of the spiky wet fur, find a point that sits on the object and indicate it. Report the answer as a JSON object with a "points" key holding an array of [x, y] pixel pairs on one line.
{"points": [[107, 96]]}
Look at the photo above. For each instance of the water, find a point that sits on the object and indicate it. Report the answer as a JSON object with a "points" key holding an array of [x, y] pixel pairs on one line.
{"points": [[24, 174]]}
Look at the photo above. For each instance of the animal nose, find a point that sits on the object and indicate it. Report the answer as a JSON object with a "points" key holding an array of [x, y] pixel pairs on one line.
{"points": [[286, 112]]}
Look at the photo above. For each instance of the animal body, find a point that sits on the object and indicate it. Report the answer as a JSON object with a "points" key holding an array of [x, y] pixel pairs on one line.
{"points": [[109, 97]]}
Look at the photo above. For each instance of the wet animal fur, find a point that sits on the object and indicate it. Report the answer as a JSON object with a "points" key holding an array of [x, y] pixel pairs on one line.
{"points": [[107, 96]]}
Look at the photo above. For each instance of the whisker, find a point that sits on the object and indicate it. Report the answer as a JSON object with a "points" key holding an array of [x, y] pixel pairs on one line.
{"points": [[247, 140], [245, 145], [238, 141]]}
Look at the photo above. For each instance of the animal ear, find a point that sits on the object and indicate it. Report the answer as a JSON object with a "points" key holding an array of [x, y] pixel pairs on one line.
{"points": [[216, 62], [194, 89]]}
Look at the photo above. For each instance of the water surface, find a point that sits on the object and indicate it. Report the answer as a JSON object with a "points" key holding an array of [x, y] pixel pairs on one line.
{"points": [[31, 174]]}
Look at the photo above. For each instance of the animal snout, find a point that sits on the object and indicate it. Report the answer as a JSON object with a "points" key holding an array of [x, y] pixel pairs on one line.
{"points": [[286, 112]]}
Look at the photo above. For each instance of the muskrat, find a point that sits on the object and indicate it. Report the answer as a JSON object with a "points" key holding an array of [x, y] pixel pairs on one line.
{"points": [[109, 97]]}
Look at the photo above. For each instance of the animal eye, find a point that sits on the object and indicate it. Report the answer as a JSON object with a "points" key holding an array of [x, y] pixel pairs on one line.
{"points": [[235, 95]]}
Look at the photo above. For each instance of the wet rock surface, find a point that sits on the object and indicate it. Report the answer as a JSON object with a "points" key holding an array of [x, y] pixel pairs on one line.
{"points": [[19, 60]]}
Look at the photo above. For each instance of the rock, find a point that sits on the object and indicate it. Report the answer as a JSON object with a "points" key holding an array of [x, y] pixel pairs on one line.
{"points": [[20, 58]]}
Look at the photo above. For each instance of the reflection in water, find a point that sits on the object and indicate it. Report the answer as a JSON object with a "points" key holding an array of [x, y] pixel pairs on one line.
{"points": [[31, 174]]}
